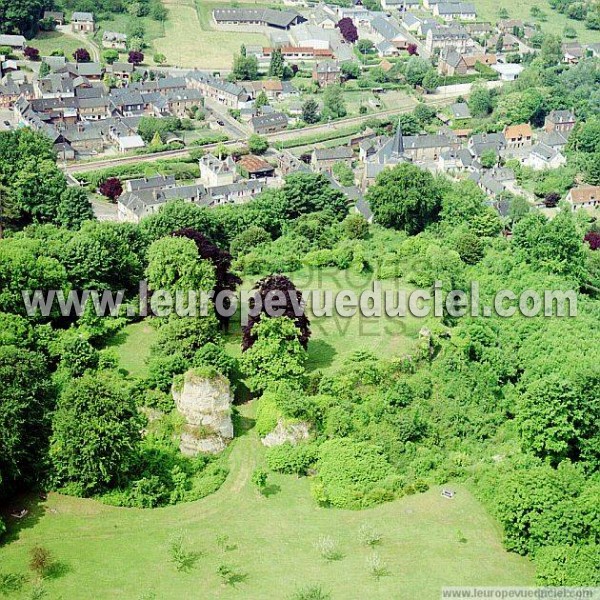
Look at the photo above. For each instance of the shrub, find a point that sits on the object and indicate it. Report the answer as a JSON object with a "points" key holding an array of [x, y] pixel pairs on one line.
{"points": [[377, 567], [354, 474], [328, 548], [291, 460], [369, 536], [40, 560], [311, 592]]}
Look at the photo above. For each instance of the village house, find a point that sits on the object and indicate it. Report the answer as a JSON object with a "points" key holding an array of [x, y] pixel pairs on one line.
{"points": [[443, 36], [94, 109], [388, 31], [584, 197], [269, 123], [272, 88], [178, 102], [254, 167], [214, 172], [455, 11], [326, 73], [82, 22], [115, 40], [483, 142], [510, 43], [323, 19], [55, 16], [542, 157], [573, 52], [517, 136], [560, 120], [495, 181], [224, 92], [452, 62], [454, 160], [122, 71], [16, 42], [479, 29], [323, 159]]}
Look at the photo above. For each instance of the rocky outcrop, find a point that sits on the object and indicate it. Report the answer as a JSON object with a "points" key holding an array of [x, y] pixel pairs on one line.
{"points": [[204, 399], [290, 432]]}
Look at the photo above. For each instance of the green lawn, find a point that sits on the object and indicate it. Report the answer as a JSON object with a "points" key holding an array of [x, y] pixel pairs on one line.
{"points": [[190, 40], [48, 41], [117, 553], [132, 345], [487, 10], [152, 29], [335, 338]]}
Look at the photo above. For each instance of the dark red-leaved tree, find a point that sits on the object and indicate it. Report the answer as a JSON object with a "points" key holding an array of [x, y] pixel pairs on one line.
{"points": [[136, 57], [411, 49], [348, 29], [551, 199], [81, 55], [279, 288], [111, 188], [593, 239], [31, 53], [221, 260]]}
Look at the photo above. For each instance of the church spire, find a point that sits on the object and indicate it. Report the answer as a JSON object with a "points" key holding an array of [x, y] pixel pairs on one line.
{"points": [[398, 147]]}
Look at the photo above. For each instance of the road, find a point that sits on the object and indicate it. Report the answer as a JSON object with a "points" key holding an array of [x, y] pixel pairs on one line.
{"points": [[441, 98], [84, 39]]}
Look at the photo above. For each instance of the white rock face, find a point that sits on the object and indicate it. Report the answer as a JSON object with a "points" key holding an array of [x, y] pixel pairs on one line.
{"points": [[205, 402], [292, 433]]}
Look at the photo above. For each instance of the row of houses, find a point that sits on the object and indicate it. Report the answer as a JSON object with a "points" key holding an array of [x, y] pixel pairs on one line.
{"points": [[222, 181]]}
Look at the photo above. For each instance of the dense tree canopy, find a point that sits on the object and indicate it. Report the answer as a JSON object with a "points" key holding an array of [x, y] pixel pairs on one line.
{"points": [[405, 197], [96, 432]]}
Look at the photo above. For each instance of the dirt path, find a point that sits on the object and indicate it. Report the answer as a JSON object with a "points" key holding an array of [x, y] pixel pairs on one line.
{"points": [[85, 40]]}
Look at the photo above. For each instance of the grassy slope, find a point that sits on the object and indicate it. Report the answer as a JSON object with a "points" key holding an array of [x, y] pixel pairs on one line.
{"points": [[109, 553], [190, 41], [487, 10], [132, 345], [123, 553], [48, 41]]}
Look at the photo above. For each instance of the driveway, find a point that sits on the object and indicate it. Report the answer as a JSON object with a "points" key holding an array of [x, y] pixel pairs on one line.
{"points": [[86, 40]]}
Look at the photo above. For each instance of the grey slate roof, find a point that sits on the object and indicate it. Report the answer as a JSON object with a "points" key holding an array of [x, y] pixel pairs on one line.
{"points": [[336, 153], [276, 18], [269, 120], [460, 110], [386, 28], [82, 16]]}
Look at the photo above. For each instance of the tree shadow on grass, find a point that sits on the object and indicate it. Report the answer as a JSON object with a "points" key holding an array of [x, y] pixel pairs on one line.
{"points": [[320, 354], [57, 570], [35, 507], [271, 490], [241, 424]]}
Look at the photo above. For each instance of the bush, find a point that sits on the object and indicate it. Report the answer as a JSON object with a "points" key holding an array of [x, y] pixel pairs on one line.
{"points": [[291, 460], [328, 548], [267, 413], [354, 474]]}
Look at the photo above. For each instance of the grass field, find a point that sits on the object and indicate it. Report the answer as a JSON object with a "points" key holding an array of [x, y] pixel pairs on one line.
{"points": [[190, 40], [117, 553], [487, 10], [104, 552], [48, 41], [132, 345]]}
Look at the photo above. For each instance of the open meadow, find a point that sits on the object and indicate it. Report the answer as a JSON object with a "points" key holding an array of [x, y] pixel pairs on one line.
{"points": [[190, 40], [269, 542], [487, 10]]}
